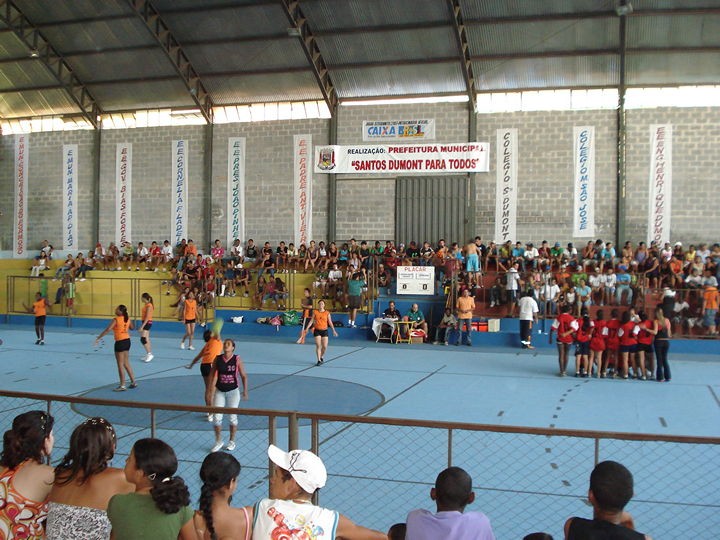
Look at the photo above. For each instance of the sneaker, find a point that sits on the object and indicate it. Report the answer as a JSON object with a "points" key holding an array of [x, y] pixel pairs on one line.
{"points": [[469, 344], [37, 342], [120, 388], [218, 446], [42, 342], [436, 343], [210, 417], [182, 345], [245, 295], [191, 348], [230, 446], [133, 385], [81, 279], [202, 325], [446, 343], [529, 346], [148, 357]]}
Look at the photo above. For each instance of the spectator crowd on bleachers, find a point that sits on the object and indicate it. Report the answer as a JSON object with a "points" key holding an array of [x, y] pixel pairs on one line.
{"points": [[598, 274]]}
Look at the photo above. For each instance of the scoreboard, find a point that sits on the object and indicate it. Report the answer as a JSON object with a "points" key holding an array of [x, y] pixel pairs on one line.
{"points": [[416, 280]]}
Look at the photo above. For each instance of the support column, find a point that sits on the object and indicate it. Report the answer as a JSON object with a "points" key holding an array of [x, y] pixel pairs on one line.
{"points": [[95, 208], [208, 132], [471, 191], [332, 185], [621, 188]]}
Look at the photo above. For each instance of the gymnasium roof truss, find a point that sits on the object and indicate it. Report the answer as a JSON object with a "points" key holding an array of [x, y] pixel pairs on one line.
{"points": [[147, 12], [39, 49], [464, 49], [308, 58], [312, 51]]}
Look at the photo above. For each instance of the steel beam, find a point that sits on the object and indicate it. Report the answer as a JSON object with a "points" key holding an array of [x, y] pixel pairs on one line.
{"points": [[621, 188], [464, 49], [157, 27], [312, 52], [38, 45]]}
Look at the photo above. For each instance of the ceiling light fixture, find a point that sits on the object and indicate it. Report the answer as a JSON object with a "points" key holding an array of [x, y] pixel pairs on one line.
{"points": [[623, 9], [293, 32], [34, 53]]}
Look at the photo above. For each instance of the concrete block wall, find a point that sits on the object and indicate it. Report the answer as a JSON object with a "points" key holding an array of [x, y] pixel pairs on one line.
{"points": [[695, 167], [545, 174], [45, 178], [365, 204], [152, 193], [269, 179]]}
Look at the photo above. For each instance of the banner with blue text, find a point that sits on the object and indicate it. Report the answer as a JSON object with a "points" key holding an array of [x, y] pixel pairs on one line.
{"points": [[584, 181], [506, 165], [660, 203], [236, 190], [123, 193], [179, 183], [70, 191], [22, 160], [302, 190]]}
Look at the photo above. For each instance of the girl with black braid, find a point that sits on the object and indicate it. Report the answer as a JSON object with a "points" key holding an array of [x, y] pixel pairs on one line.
{"points": [[216, 519], [160, 502]]}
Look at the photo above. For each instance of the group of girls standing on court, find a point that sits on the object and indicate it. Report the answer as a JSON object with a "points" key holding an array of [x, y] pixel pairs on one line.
{"points": [[630, 346]]}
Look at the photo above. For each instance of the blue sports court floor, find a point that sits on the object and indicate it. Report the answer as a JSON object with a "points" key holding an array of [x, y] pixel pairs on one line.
{"points": [[379, 473]]}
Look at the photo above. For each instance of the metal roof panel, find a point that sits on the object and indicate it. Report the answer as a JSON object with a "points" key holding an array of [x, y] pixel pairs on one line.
{"points": [[507, 75], [146, 95], [123, 65], [541, 37], [669, 68], [36, 103], [386, 46], [675, 31], [326, 15], [399, 80], [228, 90], [476, 9], [247, 56]]}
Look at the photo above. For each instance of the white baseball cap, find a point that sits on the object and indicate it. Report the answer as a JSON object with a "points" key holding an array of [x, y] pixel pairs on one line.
{"points": [[305, 467]]}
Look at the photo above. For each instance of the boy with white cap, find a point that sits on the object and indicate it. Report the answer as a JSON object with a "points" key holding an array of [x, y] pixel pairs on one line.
{"points": [[290, 513]]}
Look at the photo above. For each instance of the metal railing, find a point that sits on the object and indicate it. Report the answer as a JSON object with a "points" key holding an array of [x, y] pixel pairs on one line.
{"points": [[525, 479]]}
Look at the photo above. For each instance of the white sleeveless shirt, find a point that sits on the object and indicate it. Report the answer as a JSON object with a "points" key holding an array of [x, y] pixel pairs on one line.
{"points": [[288, 520]]}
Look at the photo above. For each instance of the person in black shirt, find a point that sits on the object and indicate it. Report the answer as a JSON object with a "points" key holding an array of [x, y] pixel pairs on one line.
{"points": [[611, 488]]}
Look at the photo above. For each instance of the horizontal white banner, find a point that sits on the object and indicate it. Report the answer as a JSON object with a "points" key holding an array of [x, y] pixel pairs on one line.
{"points": [[403, 158]]}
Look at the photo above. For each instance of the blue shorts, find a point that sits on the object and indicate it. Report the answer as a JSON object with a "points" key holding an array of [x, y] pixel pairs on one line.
{"points": [[472, 264], [709, 317]]}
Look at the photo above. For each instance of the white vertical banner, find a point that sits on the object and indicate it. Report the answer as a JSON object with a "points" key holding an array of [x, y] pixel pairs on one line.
{"points": [[70, 191], [660, 203], [123, 193], [236, 190], [179, 218], [302, 190], [506, 188], [584, 181], [20, 248]]}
